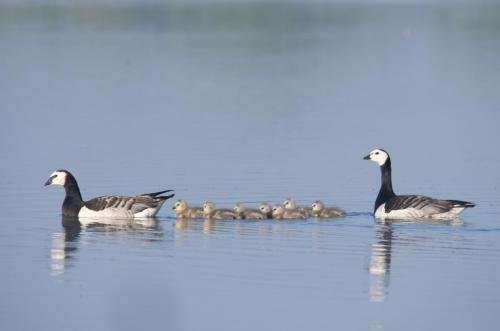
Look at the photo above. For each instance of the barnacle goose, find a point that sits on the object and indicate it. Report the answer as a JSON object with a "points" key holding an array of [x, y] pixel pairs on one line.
{"points": [[129, 207], [391, 206]]}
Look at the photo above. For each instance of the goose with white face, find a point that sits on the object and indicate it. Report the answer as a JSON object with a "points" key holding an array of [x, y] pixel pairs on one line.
{"points": [[379, 156], [105, 207], [57, 178], [389, 205]]}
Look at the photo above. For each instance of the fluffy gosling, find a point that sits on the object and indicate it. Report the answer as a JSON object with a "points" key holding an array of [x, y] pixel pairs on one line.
{"points": [[289, 203], [280, 213], [182, 210], [209, 211], [318, 209], [250, 214], [266, 210]]}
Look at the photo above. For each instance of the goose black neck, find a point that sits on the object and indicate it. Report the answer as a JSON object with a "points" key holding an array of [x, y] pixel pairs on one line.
{"points": [[386, 191], [73, 201], [72, 189]]}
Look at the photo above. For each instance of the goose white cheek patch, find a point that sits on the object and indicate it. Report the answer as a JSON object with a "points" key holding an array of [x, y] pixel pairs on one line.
{"points": [[59, 179], [378, 157]]}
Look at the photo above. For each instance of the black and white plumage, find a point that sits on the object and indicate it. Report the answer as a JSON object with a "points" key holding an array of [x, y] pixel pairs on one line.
{"points": [[123, 207], [391, 206]]}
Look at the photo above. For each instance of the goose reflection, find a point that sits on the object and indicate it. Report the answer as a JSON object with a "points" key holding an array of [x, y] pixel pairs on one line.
{"points": [[380, 263], [380, 259], [65, 243]]}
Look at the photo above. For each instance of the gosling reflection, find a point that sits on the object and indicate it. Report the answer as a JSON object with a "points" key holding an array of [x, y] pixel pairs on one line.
{"points": [[65, 243], [380, 263], [206, 225]]}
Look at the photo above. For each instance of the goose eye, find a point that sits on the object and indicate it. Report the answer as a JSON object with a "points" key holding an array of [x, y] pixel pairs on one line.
{"points": [[376, 153]]}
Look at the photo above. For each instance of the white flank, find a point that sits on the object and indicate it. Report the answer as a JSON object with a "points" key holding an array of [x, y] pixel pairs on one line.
{"points": [[411, 213], [451, 214], [117, 213], [148, 212], [105, 213]]}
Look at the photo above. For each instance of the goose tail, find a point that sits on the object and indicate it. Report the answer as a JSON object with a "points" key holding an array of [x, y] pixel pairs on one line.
{"points": [[165, 197], [154, 194], [464, 204], [158, 196]]}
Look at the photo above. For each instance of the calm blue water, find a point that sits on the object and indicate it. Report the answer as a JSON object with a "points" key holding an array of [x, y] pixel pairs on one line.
{"points": [[249, 103]]}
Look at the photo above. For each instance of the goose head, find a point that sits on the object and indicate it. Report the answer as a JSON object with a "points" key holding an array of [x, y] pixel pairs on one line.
{"points": [[265, 208], [239, 208], [317, 206], [289, 203], [208, 207], [180, 206], [58, 177], [378, 156], [278, 210]]}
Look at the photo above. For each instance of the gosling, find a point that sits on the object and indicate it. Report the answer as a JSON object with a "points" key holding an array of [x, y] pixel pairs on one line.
{"points": [[182, 210], [210, 212], [250, 214], [289, 203], [318, 209], [280, 213], [266, 210]]}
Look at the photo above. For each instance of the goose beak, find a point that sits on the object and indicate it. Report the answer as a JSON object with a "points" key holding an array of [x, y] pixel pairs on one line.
{"points": [[367, 157], [49, 181]]}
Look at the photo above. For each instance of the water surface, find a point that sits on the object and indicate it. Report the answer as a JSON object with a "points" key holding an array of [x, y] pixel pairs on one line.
{"points": [[249, 103]]}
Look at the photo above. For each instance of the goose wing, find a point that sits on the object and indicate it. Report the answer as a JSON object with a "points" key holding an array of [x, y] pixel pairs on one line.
{"points": [[425, 204], [133, 204]]}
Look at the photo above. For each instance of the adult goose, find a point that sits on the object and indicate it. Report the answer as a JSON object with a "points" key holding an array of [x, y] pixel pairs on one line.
{"points": [[391, 206], [129, 207]]}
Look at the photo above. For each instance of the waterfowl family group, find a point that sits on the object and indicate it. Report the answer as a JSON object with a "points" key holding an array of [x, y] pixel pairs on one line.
{"points": [[388, 205]]}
